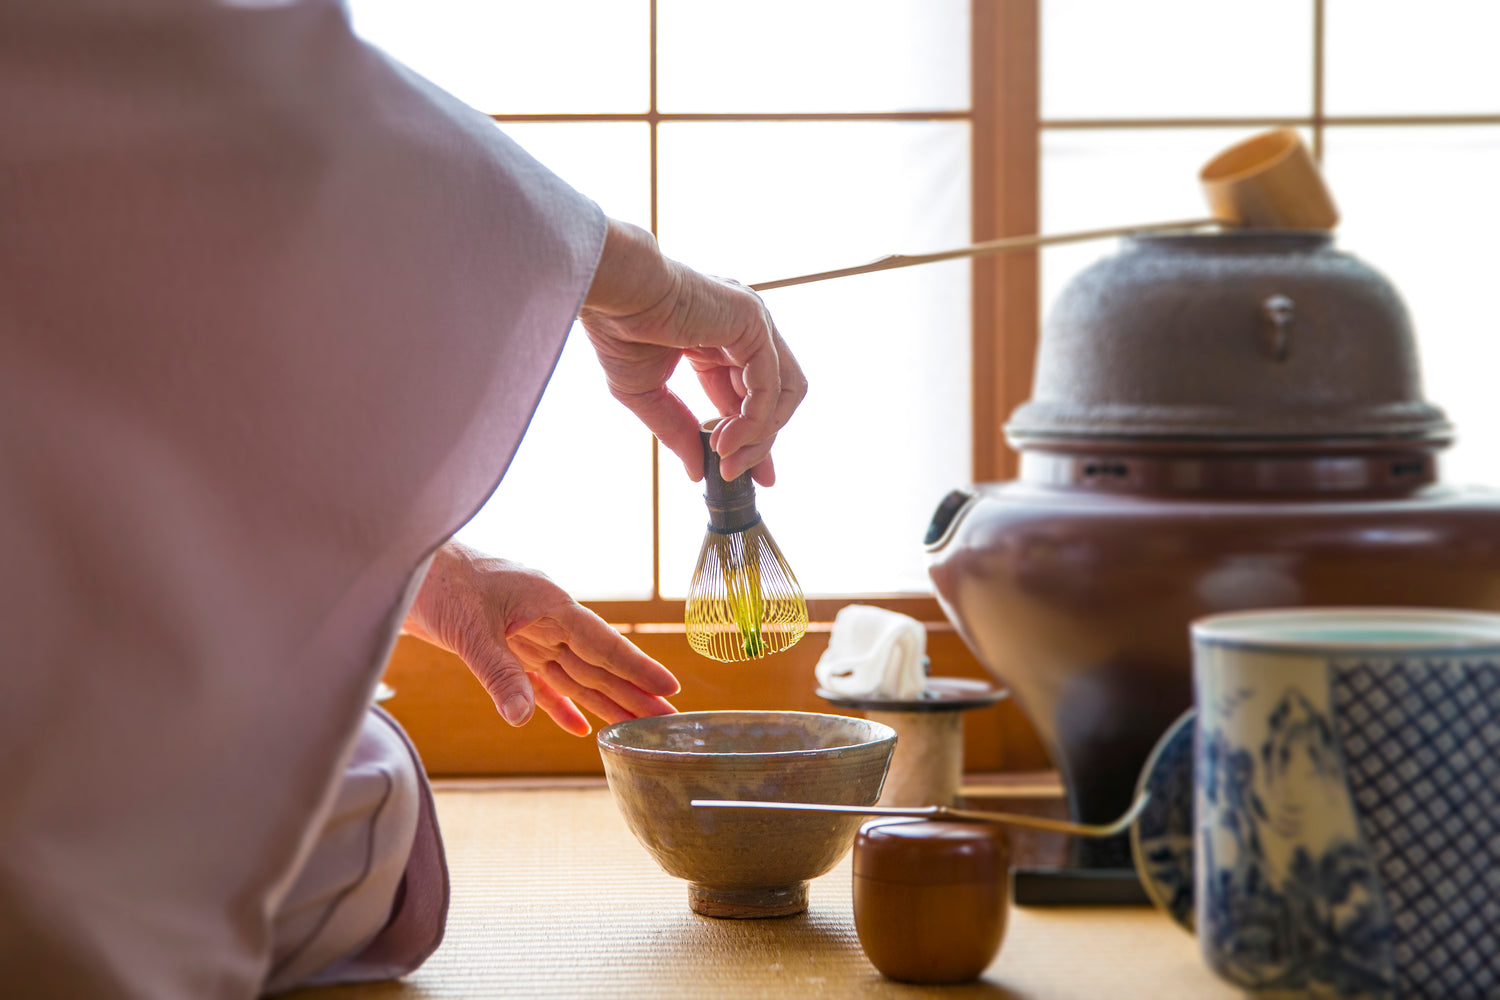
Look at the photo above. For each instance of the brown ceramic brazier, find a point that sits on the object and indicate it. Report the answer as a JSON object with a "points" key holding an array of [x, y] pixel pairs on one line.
{"points": [[1219, 422]]}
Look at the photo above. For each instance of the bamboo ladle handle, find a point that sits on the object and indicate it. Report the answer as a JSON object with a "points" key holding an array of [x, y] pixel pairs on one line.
{"points": [[946, 812], [1268, 181], [1002, 245]]}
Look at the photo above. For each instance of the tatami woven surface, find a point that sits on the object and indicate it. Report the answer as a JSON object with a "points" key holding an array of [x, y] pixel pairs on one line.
{"points": [[552, 897]]}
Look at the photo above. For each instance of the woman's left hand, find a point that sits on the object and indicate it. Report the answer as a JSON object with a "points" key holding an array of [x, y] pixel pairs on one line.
{"points": [[530, 644]]}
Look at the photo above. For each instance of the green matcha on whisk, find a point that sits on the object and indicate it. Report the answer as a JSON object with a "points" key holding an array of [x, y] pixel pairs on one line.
{"points": [[744, 601]]}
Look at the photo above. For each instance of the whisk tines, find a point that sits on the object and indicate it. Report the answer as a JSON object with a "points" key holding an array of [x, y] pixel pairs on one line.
{"points": [[744, 601]]}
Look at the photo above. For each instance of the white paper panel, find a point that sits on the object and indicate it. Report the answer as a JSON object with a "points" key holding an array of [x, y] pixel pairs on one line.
{"points": [[576, 502], [1420, 205], [1397, 57], [812, 55], [885, 430], [520, 56], [1176, 58]]}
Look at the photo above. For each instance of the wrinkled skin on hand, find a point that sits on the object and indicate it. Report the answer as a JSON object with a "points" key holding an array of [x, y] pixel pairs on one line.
{"points": [[531, 645], [644, 314]]}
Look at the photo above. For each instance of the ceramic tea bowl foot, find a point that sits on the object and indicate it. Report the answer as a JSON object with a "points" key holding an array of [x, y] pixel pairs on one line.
{"points": [[744, 904]]}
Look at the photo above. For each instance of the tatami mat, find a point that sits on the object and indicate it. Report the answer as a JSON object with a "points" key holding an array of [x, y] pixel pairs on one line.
{"points": [[553, 898]]}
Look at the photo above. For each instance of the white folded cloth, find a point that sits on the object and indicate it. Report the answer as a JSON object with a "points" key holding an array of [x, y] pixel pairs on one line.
{"points": [[874, 652]]}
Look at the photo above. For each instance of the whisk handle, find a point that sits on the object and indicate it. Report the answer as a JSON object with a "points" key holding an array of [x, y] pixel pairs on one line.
{"points": [[731, 503]]}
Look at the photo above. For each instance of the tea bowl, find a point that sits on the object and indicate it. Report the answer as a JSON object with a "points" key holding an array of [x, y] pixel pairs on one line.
{"points": [[744, 863]]}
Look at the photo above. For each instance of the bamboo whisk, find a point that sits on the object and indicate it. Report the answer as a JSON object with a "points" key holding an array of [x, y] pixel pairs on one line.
{"points": [[744, 601]]}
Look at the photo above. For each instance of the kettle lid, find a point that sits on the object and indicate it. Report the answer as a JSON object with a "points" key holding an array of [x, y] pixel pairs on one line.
{"points": [[1265, 336]]}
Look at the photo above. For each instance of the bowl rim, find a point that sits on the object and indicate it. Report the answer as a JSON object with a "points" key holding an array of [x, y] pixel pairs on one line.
{"points": [[883, 734]]}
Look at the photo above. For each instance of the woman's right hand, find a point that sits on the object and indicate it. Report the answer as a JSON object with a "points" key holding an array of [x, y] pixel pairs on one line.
{"points": [[645, 313]]}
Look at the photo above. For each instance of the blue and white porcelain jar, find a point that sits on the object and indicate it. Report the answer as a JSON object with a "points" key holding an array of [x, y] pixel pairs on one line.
{"points": [[1347, 801]]}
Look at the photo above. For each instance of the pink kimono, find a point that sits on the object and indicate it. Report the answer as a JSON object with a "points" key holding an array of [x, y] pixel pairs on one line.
{"points": [[274, 314]]}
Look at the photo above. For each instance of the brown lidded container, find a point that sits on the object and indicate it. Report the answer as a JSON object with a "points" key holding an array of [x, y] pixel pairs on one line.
{"points": [[930, 897]]}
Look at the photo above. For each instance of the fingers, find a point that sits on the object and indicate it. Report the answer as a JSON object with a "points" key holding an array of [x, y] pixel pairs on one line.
{"points": [[759, 372], [755, 350], [724, 390], [505, 680], [764, 472], [581, 658], [594, 700], [593, 641], [672, 422], [750, 376], [575, 658], [718, 384], [742, 363], [587, 682], [759, 460], [744, 442], [559, 709]]}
